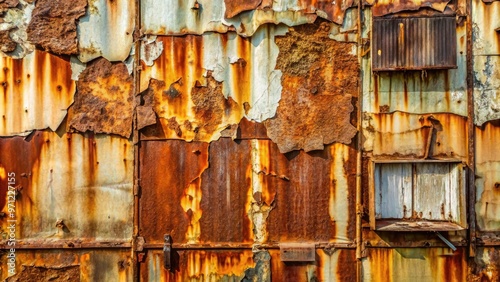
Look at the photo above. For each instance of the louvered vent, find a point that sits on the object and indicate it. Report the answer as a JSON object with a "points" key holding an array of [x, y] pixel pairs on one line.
{"points": [[414, 43]]}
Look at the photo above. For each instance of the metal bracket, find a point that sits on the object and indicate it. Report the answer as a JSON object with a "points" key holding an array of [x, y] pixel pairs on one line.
{"points": [[167, 252], [446, 241]]}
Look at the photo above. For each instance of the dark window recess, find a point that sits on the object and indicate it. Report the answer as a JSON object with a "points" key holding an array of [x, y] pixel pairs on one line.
{"points": [[414, 43]]}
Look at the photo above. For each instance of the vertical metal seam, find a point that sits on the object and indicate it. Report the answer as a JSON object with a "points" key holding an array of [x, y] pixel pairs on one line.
{"points": [[470, 136], [359, 206], [136, 141]]}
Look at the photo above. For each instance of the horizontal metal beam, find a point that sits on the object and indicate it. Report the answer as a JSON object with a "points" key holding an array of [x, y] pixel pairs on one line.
{"points": [[63, 244]]}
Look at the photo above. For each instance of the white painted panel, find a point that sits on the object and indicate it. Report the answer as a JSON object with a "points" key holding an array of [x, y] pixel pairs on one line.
{"points": [[431, 190], [393, 190]]}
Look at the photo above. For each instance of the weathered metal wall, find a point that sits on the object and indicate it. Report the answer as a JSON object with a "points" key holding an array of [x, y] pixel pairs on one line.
{"points": [[238, 127]]}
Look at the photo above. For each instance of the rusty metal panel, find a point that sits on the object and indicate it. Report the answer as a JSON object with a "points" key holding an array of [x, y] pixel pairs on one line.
{"points": [[70, 265], [104, 100], [488, 178], [385, 7], [415, 264], [53, 25], [407, 135], [201, 85], [37, 91], [58, 176], [107, 30], [200, 265], [486, 27], [415, 43], [433, 91], [311, 86], [263, 190], [198, 17]]}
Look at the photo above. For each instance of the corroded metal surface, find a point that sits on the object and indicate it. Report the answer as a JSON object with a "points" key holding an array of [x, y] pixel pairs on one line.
{"points": [[200, 85], [260, 199], [418, 92], [53, 25], [407, 135], [36, 93], [488, 181], [311, 86], [197, 17], [107, 30], [88, 265], [95, 172], [104, 99], [384, 7], [15, 17], [436, 264]]}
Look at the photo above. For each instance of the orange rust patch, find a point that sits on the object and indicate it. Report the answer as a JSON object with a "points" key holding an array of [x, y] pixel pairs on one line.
{"points": [[104, 99], [6, 43], [53, 25], [316, 104]]}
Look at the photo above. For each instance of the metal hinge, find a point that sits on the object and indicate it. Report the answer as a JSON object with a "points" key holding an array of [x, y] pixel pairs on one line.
{"points": [[167, 252]]}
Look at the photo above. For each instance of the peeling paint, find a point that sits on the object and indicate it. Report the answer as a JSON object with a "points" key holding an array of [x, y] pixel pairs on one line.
{"points": [[14, 22], [106, 30], [151, 50], [385, 7], [38, 273], [234, 75]]}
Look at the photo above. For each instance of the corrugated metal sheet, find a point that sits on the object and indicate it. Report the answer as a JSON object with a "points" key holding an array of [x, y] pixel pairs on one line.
{"points": [[415, 43], [262, 195], [107, 30], [198, 17], [203, 84], [84, 181], [36, 93], [70, 265], [418, 92]]}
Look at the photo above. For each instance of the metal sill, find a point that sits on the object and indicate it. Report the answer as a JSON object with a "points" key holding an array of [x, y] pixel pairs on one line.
{"points": [[412, 226]]}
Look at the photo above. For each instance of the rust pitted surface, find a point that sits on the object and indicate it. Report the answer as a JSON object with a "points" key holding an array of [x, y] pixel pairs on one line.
{"points": [[210, 111], [53, 25], [486, 266], [235, 7], [7, 4], [385, 7], [6, 43], [167, 203], [43, 274], [103, 100], [316, 103], [210, 108]]}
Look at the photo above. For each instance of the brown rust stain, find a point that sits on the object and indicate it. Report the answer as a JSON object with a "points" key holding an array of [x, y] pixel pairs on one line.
{"points": [[163, 187], [331, 10], [104, 99], [6, 43], [43, 274], [53, 25], [485, 267], [233, 8], [7, 4], [316, 101], [13, 151]]}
